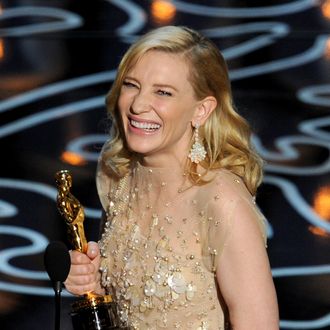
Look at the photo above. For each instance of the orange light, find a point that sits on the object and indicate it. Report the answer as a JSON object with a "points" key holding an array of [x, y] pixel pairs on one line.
{"points": [[326, 9], [162, 11], [322, 203], [2, 45], [72, 158], [327, 49], [322, 208], [318, 231], [2, 49]]}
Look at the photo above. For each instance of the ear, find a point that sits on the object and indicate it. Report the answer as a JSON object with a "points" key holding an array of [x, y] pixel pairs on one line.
{"points": [[203, 110]]}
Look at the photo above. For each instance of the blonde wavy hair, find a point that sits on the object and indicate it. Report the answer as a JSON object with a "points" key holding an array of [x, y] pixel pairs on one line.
{"points": [[226, 135]]}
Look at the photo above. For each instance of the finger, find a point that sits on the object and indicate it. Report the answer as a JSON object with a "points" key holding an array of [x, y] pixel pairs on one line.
{"points": [[81, 284], [82, 269], [80, 289], [79, 258], [80, 280], [93, 250]]}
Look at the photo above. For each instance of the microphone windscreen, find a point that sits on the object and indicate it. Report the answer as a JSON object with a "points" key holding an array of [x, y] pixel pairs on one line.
{"points": [[57, 261]]}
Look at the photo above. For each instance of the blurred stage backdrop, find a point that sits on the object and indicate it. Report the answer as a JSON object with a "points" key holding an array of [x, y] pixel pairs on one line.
{"points": [[57, 62]]}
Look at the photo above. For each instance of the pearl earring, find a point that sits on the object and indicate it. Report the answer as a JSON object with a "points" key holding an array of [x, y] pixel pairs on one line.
{"points": [[197, 151]]}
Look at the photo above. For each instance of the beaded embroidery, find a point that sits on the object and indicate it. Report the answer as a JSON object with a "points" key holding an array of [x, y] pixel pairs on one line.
{"points": [[156, 260]]}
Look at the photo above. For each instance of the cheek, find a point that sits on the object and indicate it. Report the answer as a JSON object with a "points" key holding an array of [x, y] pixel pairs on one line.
{"points": [[121, 115], [170, 111], [123, 105], [178, 114], [177, 123], [121, 102]]}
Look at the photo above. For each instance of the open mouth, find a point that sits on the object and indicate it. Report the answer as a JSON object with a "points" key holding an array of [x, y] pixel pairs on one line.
{"points": [[148, 127]]}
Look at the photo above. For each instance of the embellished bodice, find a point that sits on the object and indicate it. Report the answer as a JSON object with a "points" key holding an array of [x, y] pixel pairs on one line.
{"points": [[161, 244]]}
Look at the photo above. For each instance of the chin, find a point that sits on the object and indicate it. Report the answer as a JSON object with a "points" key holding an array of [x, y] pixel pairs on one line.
{"points": [[144, 145], [140, 149]]}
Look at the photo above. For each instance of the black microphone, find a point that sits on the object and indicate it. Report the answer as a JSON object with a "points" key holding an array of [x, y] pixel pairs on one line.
{"points": [[57, 263]]}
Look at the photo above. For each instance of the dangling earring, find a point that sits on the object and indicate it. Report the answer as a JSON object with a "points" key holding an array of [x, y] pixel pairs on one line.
{"points": [[197, 151]]}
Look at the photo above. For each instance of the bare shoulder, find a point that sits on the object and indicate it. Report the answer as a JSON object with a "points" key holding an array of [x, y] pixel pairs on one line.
{"points": [[228, 186], [235, 205]]}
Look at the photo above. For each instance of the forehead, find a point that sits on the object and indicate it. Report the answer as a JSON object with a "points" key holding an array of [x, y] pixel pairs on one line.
{"points": [[162, 64]]}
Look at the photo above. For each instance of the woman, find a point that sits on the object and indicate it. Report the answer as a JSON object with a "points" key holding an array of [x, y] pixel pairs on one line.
{"points": [[183, 245]]}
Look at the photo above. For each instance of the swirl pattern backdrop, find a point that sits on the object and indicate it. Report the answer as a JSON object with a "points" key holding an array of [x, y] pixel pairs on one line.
{"points": [[58, 59]]}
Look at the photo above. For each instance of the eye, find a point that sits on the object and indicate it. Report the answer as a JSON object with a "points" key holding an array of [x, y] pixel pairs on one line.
{"points": [[163, 93], [129, 84]]}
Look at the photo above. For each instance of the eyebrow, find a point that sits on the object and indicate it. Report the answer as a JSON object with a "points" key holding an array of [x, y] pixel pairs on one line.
{"points": [[154, 85], [166, 86]]}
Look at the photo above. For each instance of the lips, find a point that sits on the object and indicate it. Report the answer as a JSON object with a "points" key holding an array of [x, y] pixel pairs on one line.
{"points": [[146, 126]]}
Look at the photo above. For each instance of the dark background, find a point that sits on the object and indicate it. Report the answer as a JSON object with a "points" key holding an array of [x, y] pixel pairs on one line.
{"points": [[57, 61]]}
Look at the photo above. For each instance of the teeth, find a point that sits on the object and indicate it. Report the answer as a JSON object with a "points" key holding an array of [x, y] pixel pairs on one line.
{"points": [[141, 125]]}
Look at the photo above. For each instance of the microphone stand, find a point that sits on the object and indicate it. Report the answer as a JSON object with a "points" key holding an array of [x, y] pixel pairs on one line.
{"points": [[57, 289], [57, 264]]}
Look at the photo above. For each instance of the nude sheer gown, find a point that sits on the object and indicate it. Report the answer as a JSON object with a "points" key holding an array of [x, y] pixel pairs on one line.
{"points": [[162, 240]]}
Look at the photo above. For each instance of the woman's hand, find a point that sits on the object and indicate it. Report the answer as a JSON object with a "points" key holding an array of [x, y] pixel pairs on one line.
{"points": [[84, 275]]}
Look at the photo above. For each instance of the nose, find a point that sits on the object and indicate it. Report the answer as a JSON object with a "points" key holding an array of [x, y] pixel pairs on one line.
{"points": [[141, 103]]}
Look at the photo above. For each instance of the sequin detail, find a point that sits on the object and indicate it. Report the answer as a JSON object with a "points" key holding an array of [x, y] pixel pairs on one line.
{"points": [[159, 252]]}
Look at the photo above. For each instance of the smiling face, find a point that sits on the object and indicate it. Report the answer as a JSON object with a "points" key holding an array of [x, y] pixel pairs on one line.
{"points": [[157, 107]]}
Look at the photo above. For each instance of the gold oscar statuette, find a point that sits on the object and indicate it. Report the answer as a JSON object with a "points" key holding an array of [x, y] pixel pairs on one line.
{"points": [[93, 311], [71, 211]]}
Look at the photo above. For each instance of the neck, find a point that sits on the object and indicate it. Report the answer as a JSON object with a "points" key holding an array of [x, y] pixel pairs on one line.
{"points": [[171, 162], [168, 169]]}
